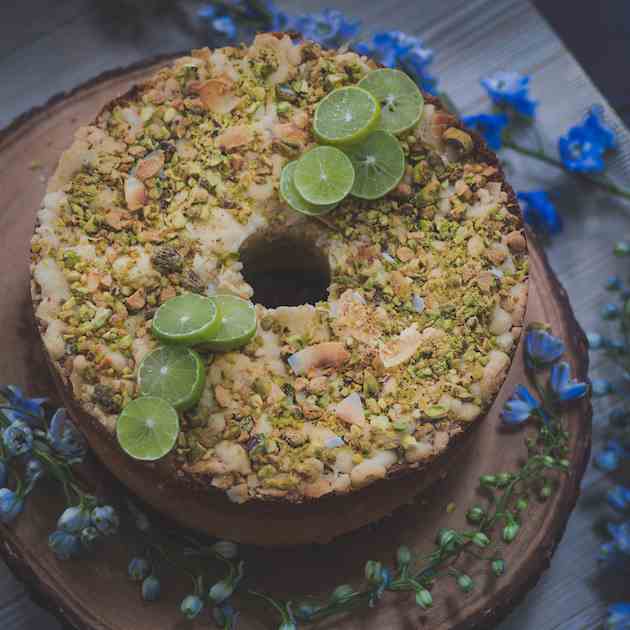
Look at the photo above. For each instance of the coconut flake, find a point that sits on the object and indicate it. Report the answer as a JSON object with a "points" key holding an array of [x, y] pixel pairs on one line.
{"points": [[350, 410]]}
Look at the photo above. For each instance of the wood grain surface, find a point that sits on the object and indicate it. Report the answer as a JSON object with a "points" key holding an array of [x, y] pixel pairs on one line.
{"points": [[50, 47]]}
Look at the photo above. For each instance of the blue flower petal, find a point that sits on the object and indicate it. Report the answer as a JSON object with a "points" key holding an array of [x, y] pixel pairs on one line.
{"points": [[490, 126], [542, 347], [539, 212], [595, 340], [510, 89]]}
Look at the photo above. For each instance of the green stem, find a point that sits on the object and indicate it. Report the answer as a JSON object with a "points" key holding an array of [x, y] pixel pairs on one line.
{"points": [[608, 186]]}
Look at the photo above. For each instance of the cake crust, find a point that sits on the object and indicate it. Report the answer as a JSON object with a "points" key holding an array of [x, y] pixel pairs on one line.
{"points": [[359, 418]]}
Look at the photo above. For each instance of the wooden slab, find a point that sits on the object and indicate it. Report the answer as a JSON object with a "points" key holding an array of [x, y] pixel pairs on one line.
{"points": [[95, 594]]}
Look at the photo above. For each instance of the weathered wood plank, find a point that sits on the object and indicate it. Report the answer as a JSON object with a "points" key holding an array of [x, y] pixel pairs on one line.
{"points": [[471, 38]]}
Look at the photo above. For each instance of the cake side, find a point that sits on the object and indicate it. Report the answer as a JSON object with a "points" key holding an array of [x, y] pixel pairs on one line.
{"points": [[427, 294]]}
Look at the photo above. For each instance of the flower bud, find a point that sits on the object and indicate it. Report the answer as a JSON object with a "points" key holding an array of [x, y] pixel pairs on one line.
{"points": [[226, 549], [403, 556], [138, 569], [373, 571], [424, 598], [191, 606], [503, 479], [522, 504], [564, 464], [465, 583], [548, 461], [488, 480], [220, 591], [476, 514], [481, 540], [510, 532], [342, 594], [498, 567], [151, 589], [446, 537]]}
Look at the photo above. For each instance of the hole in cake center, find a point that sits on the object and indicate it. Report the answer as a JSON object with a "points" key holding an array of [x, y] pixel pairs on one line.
{"points": [[286, 270]]}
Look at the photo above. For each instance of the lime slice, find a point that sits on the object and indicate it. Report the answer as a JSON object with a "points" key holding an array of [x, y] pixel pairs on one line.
{"points": [[346, 115], [291, 195], [147, 428], [173, 373], [238, 323], [324, 175], [400, 98], [186, 319], [379, 164]]}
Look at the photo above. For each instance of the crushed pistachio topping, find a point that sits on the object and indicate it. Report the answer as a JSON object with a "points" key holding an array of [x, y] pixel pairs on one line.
{"points": [[160, 196]]}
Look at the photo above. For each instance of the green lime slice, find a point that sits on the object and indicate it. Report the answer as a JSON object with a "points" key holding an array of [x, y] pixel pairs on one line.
{"points": [[238, 323], [379, 164], [324, 175], [147, 428], [173, 373], [186, 319], [400, 98], [346, 115], [291, 195]]}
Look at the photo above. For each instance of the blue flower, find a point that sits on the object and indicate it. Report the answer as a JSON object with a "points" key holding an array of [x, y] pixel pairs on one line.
{"points": [[64, 545], [191, 606], [65, 438], [105, 520], [510, 89], [225, 26], [490, 126], [520, 407], [621, 536], [89, 537], [11, 504], [582, 148], [151, 589], [542, 348], [613, 283], [73, 520], [4, 474], [579, 153], [563, 386], [30, 410], [17, 438], [595, 340], [138, 569], [329, 27], [225, 616], [619, 498], [601, 387], [395, 48], [599, 132], [618, 616], [539, 212], [607, 461], [610, 311]]}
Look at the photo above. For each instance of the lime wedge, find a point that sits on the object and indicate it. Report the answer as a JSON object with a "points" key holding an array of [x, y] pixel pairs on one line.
{"points": [[400, 98], [291, 195], [173, 373], [238, 323], [186, 319], [379, 164], [346, 115], [324, 175], [147, 428]]}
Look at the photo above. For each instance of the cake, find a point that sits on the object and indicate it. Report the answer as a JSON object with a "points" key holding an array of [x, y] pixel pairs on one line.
{"points": [[419, 295]]}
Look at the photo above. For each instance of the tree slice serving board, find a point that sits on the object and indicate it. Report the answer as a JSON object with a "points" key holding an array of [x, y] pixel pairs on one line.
{"points": [[94, 593]]}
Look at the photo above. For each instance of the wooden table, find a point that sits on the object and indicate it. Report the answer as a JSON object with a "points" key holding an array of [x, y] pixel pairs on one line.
{"points": [[50, 47]]}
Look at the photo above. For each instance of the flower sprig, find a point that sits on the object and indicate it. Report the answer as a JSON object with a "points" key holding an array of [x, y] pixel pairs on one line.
{"points": [[34, 446], [494, 524]]}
